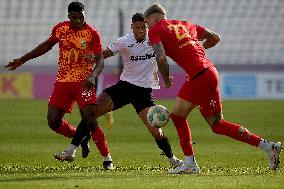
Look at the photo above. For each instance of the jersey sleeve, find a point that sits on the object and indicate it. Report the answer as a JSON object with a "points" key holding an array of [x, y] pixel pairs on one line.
{"points": [[97, 43], [200, 31], [154, 36], [116, 46], [53, 37]]}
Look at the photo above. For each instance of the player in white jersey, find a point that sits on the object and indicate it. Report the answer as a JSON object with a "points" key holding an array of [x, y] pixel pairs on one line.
{"points": [[138, 78]]}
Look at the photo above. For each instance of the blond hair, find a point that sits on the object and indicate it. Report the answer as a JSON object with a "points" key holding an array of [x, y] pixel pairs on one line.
{"points": [[155, 8]]}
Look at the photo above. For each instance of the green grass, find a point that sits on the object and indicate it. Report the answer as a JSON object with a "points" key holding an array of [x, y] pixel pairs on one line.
{"points": [[27, 146]]}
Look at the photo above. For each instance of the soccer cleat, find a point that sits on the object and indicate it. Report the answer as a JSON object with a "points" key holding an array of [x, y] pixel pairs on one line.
{"points": [[186, 168], [109, 120], [85, 147], [175, 162], [108, 165], [66, 155], [274, 155]]}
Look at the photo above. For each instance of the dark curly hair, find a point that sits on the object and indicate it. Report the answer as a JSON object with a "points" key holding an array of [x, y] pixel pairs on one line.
{"points": [[138, 17], [76, 6]]}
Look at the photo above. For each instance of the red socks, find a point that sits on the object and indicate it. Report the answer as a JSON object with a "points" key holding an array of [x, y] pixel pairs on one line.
{"points": [[236, 131], [223, 128], [184, 134], [98, 136], [100, 141], [66, 129]]}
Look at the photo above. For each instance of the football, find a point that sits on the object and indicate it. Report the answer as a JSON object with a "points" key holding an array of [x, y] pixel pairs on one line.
{"points": [[158, 116]]}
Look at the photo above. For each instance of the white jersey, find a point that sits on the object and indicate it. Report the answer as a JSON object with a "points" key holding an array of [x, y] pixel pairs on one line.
{"points": [[139, 64]]}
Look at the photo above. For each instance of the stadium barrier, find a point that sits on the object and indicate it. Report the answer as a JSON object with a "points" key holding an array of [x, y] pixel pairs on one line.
{"points": [[233, 85]]}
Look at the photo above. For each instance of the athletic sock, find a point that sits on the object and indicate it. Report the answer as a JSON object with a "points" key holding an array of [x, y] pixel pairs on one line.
{"points": [[165, 146], [236, 131], [100, 141], [80, 134], [66, 129], [184, 134], [264, 145], [189, 159], [107, 158], [72, 148]]}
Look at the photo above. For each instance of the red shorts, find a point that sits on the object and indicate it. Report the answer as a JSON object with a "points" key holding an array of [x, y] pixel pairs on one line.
{"points": [[203, 91], [65, 94]]}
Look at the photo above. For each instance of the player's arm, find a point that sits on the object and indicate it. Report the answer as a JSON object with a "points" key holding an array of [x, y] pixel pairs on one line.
{"points": [[162, 63], [36, 52], [91, 80], [107, 53], [210, 38]]}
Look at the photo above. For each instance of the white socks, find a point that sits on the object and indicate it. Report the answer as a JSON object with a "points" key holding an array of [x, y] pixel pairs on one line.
{"points": [[264, 145], [107, 158], [189, 159]]}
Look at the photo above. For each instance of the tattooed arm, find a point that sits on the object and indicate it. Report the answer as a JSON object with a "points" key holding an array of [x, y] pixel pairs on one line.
{"points": [[211, 38], [162, 63]]}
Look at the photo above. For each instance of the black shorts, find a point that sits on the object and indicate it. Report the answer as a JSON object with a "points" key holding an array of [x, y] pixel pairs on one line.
{"points": [[123, 93]]}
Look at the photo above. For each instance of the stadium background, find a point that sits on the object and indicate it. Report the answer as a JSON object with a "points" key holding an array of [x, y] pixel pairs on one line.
{"points": [[250, 57]]}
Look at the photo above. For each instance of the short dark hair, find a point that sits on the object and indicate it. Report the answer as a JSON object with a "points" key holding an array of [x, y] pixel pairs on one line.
{"points": [[155, 8], [138, 17], [76, 6]]}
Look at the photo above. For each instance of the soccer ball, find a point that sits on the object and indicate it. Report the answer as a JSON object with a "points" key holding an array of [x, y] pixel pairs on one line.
{"points": [[158, 116]]}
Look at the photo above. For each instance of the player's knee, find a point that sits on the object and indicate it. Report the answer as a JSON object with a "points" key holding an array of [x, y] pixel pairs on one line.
{"points": [[54, 122], [157, 133], [217, 128], [216, 123], [215, 119]]}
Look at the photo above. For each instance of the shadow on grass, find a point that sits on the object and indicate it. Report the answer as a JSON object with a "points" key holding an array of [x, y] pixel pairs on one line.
{"points": [[33, 178]]}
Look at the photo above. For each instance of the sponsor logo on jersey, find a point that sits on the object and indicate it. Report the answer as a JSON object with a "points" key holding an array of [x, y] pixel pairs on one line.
{"points": [[83, 44], [142, 57]]}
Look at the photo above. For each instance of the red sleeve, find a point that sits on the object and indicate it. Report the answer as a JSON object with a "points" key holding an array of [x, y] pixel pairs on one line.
{"points": [[52, 36], [200, 31], [154, 36], [97, 47]]}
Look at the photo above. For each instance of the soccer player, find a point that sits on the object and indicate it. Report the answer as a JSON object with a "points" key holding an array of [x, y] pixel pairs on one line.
{"points": [[138, 78], [182, 41], [76, 76]]}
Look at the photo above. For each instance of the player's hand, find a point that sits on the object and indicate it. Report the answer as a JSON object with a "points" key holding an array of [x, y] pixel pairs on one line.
{"points": [[168, 82], [14, 64], [90, 58], [89, 83]]}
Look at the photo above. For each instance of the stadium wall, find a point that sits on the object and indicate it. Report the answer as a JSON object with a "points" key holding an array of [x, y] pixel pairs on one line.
{"points": [[233, 84]]}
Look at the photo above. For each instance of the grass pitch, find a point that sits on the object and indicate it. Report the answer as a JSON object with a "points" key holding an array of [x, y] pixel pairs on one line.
{"points": [[27, 146]]}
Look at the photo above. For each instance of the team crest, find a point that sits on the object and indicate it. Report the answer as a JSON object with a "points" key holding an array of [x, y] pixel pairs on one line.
{"points": [[83, 44]]}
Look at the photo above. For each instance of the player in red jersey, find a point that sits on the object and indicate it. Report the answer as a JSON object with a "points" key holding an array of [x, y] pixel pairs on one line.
{"points": [[182, 41], [76, 76]]}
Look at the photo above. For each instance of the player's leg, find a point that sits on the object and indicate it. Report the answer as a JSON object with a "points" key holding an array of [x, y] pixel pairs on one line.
{"points": [[110, 99], [211, 109], [104, 105], [82, 136], [60, 102], [181, 110], [142, 99], [109, 114], [223, 127], [89, 116], [161, 139]]}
